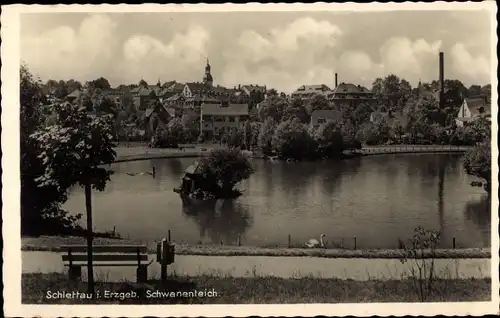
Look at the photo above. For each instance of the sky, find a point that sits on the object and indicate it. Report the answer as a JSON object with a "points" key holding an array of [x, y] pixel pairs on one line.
{"points": [[282, 50]]}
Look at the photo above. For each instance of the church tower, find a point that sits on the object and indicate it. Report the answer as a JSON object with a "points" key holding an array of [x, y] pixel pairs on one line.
{"points": [[207, 79]]}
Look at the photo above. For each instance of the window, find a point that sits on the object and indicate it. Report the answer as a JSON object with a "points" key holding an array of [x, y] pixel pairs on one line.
{"points": [[321, 120], [219, 118], [207, 117], [231, 119]]}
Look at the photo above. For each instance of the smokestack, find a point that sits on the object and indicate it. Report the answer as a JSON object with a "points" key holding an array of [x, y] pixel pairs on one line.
{"points": [[441, 79], [336, 80]]}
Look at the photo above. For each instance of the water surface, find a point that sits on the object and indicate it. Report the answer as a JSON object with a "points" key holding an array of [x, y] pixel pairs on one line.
{"points": [[378, 199]]}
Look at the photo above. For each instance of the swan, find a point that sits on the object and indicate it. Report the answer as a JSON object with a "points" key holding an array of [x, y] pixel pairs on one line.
{"points": [[151, 173], [312, 243]]}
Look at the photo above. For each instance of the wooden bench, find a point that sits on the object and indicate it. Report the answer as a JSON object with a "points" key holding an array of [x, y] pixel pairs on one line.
{"points": [[75, 256]]}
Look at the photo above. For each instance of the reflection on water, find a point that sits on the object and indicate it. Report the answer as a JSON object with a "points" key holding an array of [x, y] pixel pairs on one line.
{"points": [[378, 199], [479, 213], [219, 221]]}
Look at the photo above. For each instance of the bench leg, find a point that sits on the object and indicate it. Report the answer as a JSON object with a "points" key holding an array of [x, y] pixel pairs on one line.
{"points": [[142, 274], [75, 273]]}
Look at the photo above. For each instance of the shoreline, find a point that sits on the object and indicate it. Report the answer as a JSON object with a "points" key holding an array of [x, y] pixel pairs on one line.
{"points": [[166, 153], [52, 244]]}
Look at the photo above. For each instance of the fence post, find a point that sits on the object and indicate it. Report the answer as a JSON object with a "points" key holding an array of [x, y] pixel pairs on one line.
{"points": [[454, 243], [239, 239], [355, 242], [164, 251], [289, 240], [169, 237]]}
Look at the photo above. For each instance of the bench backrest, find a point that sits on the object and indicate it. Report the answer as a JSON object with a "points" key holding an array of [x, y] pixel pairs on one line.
{"points": [[112, 255]]}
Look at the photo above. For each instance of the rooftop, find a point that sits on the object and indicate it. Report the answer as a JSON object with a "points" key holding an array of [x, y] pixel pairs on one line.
{"points": [[231, 109], [348, 88]]}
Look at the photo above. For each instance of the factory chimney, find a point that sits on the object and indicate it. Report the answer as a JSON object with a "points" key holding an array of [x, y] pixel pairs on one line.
{"points": [[441, 79], [336, 80]]}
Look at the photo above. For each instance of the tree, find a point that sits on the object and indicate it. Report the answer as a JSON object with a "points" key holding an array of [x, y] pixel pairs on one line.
{"points": [[296, 110], [292, 140], [255, 128], [477, 162], [104, 105], [392, 91], [176, 130], [317, 102], [41, 211], [272, 107], [266, 135], [329, 140], [226, 167], [100, 83], [474, 90], [362, 113], [236, 139], [169, 136], [74, 151], [480, 129], [421, 252], [143, 83], [191, 128]]}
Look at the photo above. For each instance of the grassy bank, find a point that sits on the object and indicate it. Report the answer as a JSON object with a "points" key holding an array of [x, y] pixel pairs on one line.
{"points": [[52, 243], [257, 290]]}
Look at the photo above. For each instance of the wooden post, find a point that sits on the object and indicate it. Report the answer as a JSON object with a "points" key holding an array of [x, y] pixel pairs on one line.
{"points": [[342, 243], [74, 272], [355, 242], [142, 274], [239, 239], [289, 240], [169, 237], [158, 252], [154, 172], [454, 243], [164, 251]]}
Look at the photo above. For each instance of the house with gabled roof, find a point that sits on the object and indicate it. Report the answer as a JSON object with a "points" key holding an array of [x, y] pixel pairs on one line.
{"points": [[348, 94], [472, 109], [321, 116], [219, 119], [306, 91], [156, 115]]}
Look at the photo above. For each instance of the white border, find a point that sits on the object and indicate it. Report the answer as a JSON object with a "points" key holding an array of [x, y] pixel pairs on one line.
{"points": [[11, 179]]}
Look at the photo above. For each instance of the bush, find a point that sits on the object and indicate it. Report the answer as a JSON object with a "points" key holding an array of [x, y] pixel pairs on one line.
{"points": [[292, 140], [329, 140], [224, 168], [266, 136], [477, 162]]}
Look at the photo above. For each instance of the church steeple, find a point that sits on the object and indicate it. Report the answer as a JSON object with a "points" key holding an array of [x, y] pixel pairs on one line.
{"points": [[208, 79]]}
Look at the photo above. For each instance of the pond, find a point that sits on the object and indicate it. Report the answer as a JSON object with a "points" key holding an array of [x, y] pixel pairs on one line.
{"points": [[378, 199]]}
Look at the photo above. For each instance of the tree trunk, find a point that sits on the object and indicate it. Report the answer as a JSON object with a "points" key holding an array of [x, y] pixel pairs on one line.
{"points": [[90, 269]]}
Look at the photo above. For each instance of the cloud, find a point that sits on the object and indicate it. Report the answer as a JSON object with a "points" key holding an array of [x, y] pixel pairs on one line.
{"points": [[309, 51], [474, 69], [300, 51], [411, 60], [64, 53], [149, 57], [278, 50]]}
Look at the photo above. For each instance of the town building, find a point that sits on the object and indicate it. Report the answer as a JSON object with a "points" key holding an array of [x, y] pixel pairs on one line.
{"points": [[472, 109], [350, 95], [219, 119], [307, 91], [156, 115], [321, 116]]}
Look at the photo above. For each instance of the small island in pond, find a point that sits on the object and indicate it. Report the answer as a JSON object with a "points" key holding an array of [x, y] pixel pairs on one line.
{"points": [[214, 175]]}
